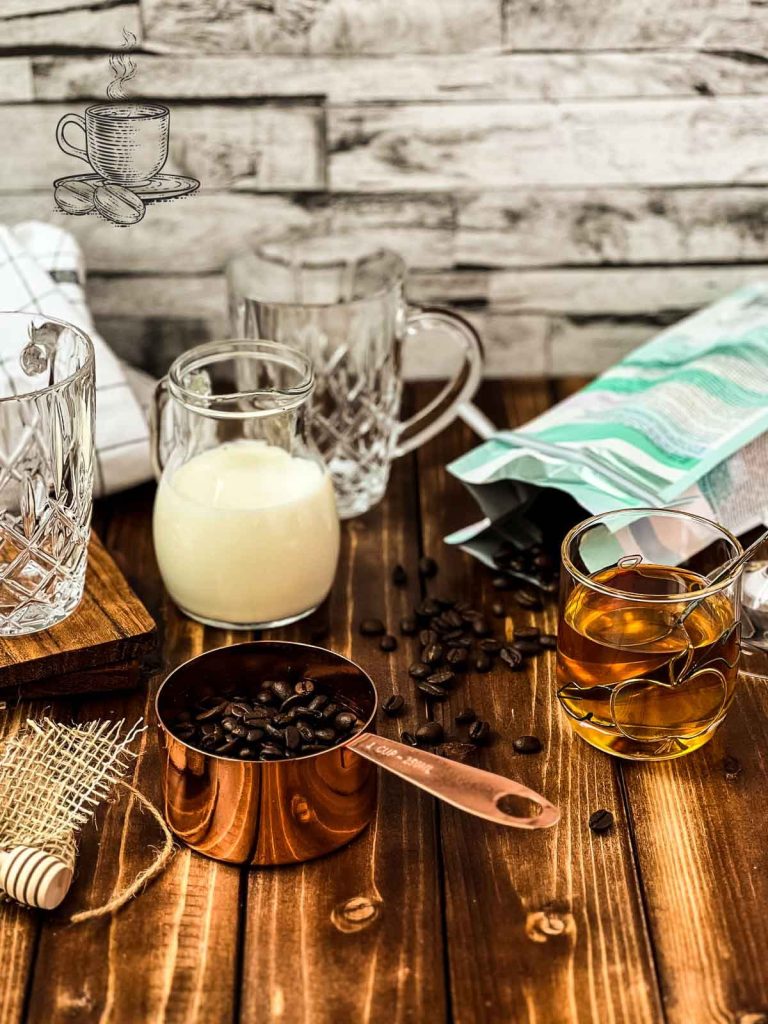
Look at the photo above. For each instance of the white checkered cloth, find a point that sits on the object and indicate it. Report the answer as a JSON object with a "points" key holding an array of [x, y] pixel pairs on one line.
{"points": [[42, 271]]}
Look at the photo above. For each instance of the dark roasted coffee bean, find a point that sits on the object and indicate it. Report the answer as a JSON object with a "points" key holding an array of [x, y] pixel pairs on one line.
{"points": [[281, 689], [238, 708], [549, 586], [393, 706], [238, 731], [274, 732], [318, 702], [427, 568], [428, 608], [419, 670], [527, 632], [257, 716], [292, 739], [427, 637], [330, 711], [206, 742], [460, 641], [254, 736], [480, 732], [471, 614], [314, 714], [501, 583], [304, 687], [208, 728], [388, 643], [246, 753], [527, 744], [408, 625], [430, 733], [399, 576], [457, 658], [294, 701], [466, 716], [264, 698], [306, 732], [440, 624], [600, 821], [431, 691], [185, 731], [497, 608], [372, 627], [325, 736], [443, 679], [269, 752], [511, 657], [432, 654], [210, 701], [490, 645], [228, 723], [527, 647], [542, 560], [454, 619], [453, 634], [527, 598], [212, 712], [409, 739], [480, 627], [226, 747], [548, 641], [344, 721], [286, 717], [482, 662]]}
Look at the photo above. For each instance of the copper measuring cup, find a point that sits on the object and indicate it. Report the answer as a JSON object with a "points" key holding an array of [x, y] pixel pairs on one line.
{"points": [[283, 812]]}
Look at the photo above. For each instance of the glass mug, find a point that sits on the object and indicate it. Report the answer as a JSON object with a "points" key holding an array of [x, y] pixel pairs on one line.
{"points": [[648, 651], [342, 302], [46, 469], [245, 524]]}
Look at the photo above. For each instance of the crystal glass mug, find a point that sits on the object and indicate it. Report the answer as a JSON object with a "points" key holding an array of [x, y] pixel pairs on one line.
{"points": [[245, 524], [342, 302], [46, 469], [648, 649]]}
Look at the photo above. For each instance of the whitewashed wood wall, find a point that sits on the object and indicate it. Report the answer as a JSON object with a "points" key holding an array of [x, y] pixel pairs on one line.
{"points": [[570, 173]]}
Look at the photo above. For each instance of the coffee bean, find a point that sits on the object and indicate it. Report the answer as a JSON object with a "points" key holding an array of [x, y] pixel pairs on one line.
{"points": [[294, 701], [501, 583], [212, 712], [281, 689], [497, 608], [430, 733], [419, 670], [227, 747], [457, 657], [527, 647], [313, 714], [527, 744], [454, 619], [511, 657], [432, 654], [185, 731], [548, 641], [372, 627], [471, 614], [344, 721], [255, 717], [526, 632], [306, 732], [490, 645], [325, 736], [428, 608], [388, 643], [318, 702], [393, 706], [269, 752], [255, 735], [409, 739], [239, 731], [542, 560], [600, 821], [453, 634], [286, 718], [480, 627], [408, 625], [459, 641], [292, 739], [482, 662], [274, 732], [480, 732], [247, 753], [330, 711], [304, 687], [399, 576], [427, 637], [527, 598], [431, 690], [442, 679], [465, 717], [264, 698], [228, 723], [427, 568]]}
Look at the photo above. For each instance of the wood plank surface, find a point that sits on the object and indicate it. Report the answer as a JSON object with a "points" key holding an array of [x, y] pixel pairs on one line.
{"points": [[402, 77], [84, 26], [554, 918]]}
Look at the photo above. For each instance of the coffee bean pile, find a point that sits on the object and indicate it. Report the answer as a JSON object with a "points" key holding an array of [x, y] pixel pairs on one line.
{"points": [[529, 573], [282, 720]]}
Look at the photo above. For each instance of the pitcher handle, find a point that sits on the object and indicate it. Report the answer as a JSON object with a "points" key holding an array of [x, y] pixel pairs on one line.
{"points": [[442, 410], [159, 399], [67, 147]]}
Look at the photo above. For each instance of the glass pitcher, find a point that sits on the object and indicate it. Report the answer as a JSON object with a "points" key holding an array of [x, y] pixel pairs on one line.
{"points": [[245, 524], [342, 302]]}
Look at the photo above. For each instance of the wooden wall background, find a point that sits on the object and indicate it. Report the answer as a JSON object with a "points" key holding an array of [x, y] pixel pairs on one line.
{"points": [[571, 173]]}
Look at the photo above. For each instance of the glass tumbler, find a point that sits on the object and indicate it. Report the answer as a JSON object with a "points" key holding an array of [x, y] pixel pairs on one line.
{"points": [[648, 650], [46, 469], [245, 524], [341, 302]]}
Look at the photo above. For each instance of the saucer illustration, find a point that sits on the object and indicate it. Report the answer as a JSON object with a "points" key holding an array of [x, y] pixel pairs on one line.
{"points": [[126, 147]]}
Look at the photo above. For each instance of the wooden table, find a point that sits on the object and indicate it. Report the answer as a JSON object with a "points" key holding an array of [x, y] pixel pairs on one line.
{"points": [[431, 915]]}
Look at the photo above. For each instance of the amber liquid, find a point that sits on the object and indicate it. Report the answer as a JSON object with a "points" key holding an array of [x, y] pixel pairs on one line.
{"points": [[635, 680]]}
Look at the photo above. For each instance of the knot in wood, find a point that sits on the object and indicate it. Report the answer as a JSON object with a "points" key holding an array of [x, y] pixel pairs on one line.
{"points": [[549, 923], [355, 914]]}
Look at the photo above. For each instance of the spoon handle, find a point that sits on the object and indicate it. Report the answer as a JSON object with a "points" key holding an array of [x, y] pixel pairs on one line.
{"points": [[470, 789]]}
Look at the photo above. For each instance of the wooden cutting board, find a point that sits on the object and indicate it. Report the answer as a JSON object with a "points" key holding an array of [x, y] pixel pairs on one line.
{"points": [[99, 647]]}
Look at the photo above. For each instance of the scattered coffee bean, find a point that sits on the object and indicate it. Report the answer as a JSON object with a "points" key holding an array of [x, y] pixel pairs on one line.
{"points": [[490, 645], [433, 654], [527, 744], [427, 609], [427, 568], [393, 706], [399, 576], [419, 670], [430, 733], [483, 662], [388, 643], [600, 821], [511, 657], [480, 627], [408, 625], [548, 641], [409, 739], [527, 598], [501, 583], [497, 608], [480, 732], [526, 646], [431, 690], [212, 712], [457, 658], [465, 717], [372, 627], [526, 632], [444, 678], [427, 637]]}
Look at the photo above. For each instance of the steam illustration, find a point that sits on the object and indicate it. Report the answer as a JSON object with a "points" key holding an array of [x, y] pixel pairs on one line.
{"points": [[123, 68]]}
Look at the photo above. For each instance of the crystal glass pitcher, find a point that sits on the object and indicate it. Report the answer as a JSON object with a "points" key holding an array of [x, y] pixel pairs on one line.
{"points": [[46, 469], [245, 524], [342, 302]]}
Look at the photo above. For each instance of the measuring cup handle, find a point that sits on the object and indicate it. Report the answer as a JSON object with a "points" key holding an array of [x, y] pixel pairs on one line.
{"points": [[442, 410], [470, 789], [156, 408]]}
